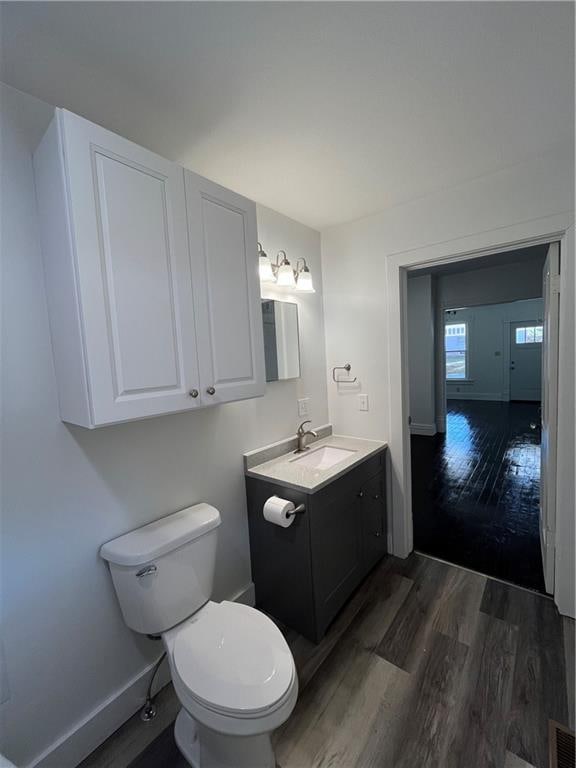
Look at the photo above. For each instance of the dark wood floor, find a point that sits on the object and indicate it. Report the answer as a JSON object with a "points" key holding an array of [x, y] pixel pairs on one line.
{"points": [[428, 666], [476, 490]]}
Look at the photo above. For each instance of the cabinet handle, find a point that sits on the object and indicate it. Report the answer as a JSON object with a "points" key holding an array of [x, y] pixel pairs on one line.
{"points": [[211, 391], [193, 393]]}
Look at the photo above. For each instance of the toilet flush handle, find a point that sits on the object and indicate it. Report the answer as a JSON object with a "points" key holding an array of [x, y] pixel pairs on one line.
{"points": [[148, 570]]}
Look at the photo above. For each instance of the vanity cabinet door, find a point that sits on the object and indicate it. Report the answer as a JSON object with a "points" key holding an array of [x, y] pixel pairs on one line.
{"points": [[336, 545], [374, 521], [224, 256], [118, 275]]}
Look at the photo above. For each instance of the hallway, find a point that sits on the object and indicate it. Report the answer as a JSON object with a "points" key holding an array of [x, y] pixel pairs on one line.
{"points": [[475, 490]]}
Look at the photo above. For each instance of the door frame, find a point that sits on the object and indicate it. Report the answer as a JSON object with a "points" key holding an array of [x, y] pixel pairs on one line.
{"points": [[536, 232]]}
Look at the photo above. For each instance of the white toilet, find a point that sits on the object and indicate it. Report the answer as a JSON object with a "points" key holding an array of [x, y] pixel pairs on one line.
{"points": [[231, 667]]}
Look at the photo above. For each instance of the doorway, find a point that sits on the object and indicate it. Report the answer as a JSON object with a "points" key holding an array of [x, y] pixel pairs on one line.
{"points": [[476, 494]]}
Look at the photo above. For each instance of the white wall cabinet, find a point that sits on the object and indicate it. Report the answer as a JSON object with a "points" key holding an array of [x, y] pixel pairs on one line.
{"points": [[152, 283], [222, 234]]}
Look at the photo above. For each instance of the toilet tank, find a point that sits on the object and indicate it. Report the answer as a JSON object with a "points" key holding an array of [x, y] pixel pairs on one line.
{"points": [[164, 571]]}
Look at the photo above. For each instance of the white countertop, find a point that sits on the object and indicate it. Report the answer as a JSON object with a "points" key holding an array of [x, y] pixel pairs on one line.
{"points": [[286, 470]]}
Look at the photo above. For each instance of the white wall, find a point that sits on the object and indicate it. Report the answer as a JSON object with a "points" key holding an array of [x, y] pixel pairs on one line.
{"points": [[66, 490], [354, 258], [489, 348], [421, 355]]}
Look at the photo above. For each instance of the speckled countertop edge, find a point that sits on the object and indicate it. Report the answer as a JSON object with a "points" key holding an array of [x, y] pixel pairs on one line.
{"points": [[284, 471]]}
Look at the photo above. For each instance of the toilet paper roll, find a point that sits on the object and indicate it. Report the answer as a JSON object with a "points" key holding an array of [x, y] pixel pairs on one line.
{"points": [[276, 511]]}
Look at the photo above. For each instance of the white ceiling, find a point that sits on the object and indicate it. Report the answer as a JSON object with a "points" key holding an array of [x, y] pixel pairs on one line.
{"points": [[324, 111]]}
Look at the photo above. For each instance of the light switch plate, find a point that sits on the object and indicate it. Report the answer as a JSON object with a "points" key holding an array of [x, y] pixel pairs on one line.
{"points": [[304, 406], [363, 402]]}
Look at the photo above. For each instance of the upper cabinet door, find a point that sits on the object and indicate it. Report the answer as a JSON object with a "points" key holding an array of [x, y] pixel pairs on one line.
{"points": [[224, 256], [128, 223]]}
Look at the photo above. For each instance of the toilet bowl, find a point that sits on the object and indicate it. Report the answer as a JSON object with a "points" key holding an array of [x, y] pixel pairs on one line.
{"points": [[235, 678], [232, 669]]}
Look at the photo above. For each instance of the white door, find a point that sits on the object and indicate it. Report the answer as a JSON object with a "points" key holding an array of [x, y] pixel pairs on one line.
{"points": [[526, 360], [549, 413], [224, 255], [128, 216]]}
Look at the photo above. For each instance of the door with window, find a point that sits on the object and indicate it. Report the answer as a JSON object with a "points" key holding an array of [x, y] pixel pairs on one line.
{"points": [[526, 360]]}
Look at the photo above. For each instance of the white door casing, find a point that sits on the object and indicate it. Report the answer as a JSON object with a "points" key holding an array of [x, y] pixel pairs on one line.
{"points": [[551, 288], [520, 235], [127, 211], [223, 252]]}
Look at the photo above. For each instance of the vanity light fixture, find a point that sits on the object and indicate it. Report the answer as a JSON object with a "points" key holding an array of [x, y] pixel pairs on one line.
{"points": [[285, 274], [304, 282], [265, 267]]}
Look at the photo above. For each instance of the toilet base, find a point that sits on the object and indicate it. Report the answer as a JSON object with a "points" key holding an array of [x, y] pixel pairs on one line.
{"points": [[204, 748]]}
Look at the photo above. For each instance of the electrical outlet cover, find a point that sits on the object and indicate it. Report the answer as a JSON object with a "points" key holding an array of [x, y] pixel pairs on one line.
{"points": [[304, 406]]}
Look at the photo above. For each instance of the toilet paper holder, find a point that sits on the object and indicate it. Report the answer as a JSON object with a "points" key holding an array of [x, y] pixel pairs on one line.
{"points": [[299, 510]]}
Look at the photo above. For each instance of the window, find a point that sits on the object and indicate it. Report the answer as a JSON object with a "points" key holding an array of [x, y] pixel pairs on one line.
{"points": [[456, 349], [529, 334]]}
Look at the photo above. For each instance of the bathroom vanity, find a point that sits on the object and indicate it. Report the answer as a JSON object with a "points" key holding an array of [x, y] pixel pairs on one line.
{"points": [[305, 573]]}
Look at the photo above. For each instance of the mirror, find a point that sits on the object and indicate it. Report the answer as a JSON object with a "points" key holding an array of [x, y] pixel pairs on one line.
{"points": [[281, 341]]}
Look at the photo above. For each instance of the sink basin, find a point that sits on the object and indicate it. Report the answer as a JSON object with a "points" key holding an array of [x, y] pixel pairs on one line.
{"points": [[324, 458]]}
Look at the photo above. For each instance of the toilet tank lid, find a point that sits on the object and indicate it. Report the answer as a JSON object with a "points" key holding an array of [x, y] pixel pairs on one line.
{"points": [[162, 536]]}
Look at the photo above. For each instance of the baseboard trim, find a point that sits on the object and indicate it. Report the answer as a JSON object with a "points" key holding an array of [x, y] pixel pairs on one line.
{"points": [[86, 735], [495, 396], [428, 430]]}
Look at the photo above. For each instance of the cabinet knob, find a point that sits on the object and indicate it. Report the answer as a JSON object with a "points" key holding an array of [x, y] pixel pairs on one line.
{"points": [[211, 391], [378, 535], [360, 494], [193, 393], [376, 497]]}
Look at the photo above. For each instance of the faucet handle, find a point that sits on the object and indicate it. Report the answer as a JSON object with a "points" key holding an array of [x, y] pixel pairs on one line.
{"points": [[301, 429]]}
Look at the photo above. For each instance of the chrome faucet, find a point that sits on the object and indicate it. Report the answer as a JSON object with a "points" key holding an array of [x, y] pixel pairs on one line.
{"points": [[301, 435]]}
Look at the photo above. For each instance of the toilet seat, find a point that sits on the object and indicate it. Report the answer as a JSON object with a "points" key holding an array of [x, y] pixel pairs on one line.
{"points": [[233, 660]]}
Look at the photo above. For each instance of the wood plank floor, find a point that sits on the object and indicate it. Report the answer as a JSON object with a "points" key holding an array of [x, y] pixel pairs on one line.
{"points": [[428, 666], [476, 490]]}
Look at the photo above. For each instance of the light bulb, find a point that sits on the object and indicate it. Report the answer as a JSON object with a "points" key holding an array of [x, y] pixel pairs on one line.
{"points": [[265, 268], [285, 275], [304, 282]]}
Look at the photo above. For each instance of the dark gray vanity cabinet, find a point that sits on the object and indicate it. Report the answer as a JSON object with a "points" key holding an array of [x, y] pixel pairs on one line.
{"points": [[304, 574]]}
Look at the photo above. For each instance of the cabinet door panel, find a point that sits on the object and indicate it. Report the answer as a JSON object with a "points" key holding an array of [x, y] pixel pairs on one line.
{"points": [[137, 270], [128, 214], [222, 233], [336, 528]]}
